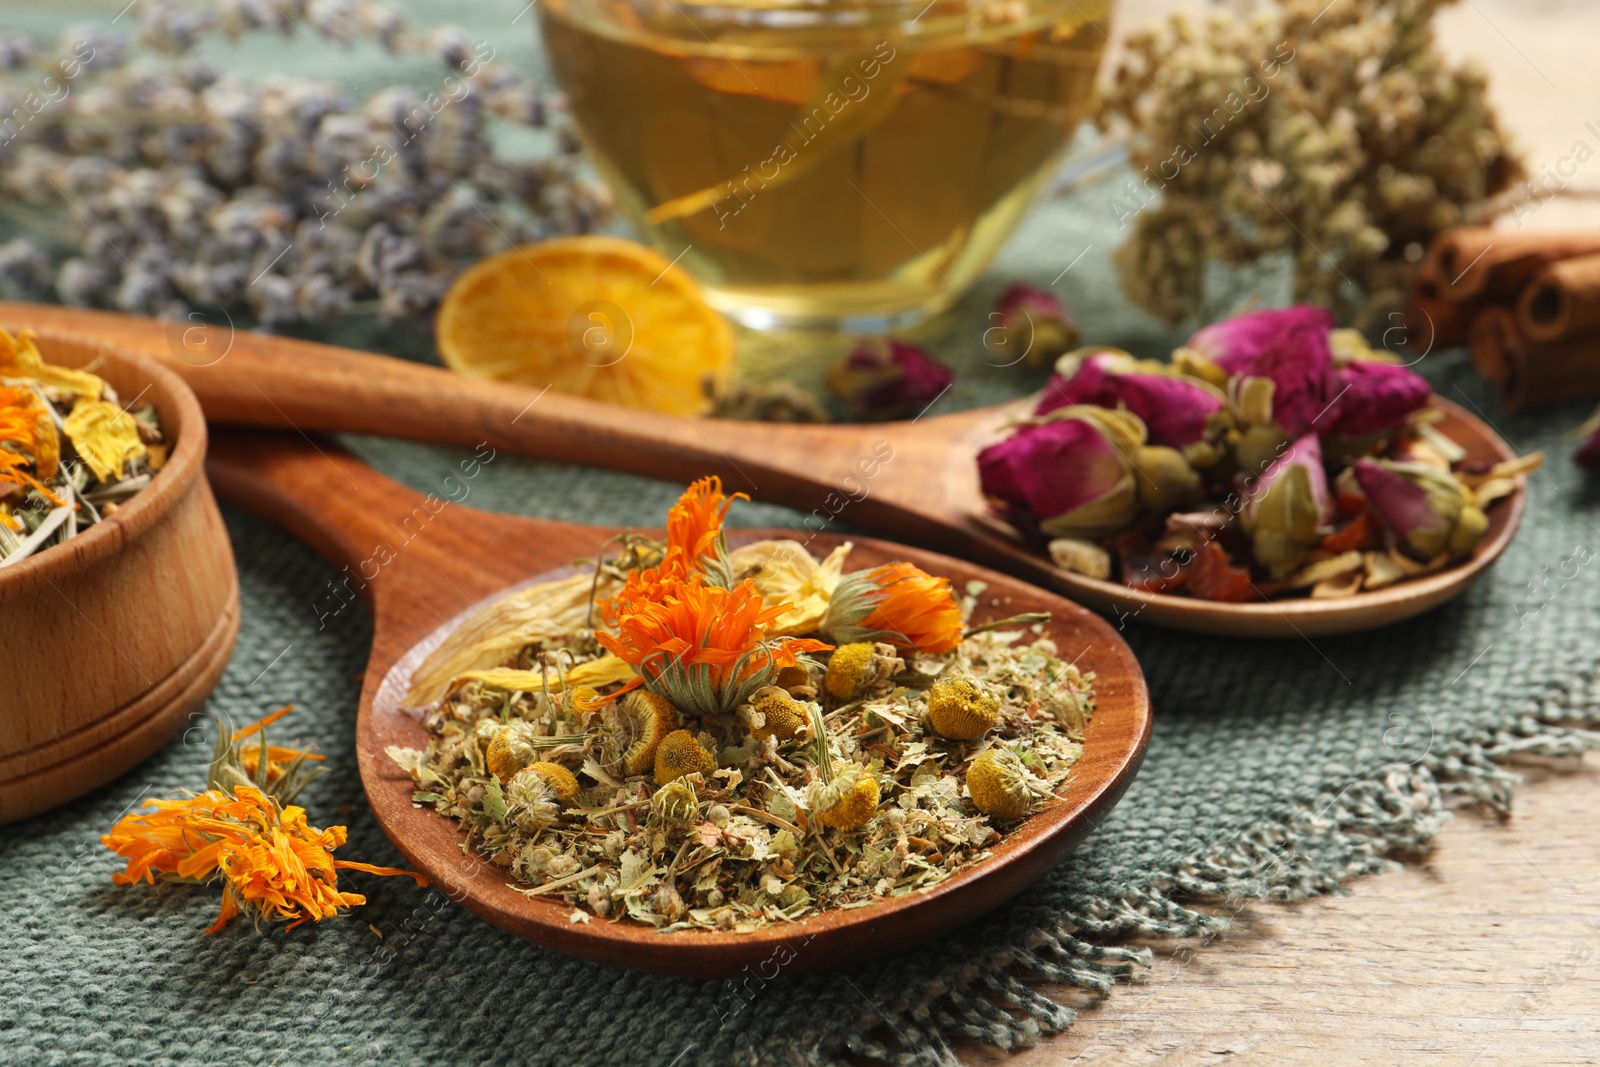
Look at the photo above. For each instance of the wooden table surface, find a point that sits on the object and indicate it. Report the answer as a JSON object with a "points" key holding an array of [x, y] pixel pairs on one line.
{"points": [[1486, 950]]}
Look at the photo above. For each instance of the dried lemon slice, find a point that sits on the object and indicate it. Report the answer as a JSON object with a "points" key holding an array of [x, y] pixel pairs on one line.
{"points": [[598, 317]]}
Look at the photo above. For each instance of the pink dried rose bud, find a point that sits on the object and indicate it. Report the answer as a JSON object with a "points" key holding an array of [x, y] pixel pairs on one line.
{"points": [[1588, 454], [1177, 411], [1279, 365], [1072, 476], [1032, 326], [1423, 507], [887, 379], [1373, 397], [1289, 509]]}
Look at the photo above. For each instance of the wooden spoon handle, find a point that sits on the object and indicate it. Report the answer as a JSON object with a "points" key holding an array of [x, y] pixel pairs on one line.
{"points": [[314, 489], [891, 476]]}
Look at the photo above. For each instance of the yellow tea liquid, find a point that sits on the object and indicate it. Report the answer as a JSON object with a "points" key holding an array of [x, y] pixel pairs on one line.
{"points": [[823, 165]]}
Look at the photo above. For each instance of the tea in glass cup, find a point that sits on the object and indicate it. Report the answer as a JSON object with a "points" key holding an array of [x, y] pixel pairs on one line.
{"points": [[851, 164]]}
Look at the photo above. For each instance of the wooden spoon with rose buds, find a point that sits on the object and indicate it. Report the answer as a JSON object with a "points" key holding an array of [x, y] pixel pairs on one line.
{"points": [[914, 479], [424, 565]]}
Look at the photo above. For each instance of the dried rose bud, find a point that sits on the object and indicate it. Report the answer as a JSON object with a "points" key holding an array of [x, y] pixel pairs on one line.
{"points": [[1372, 397], [1033, 326], [888, 379], [1423, 507], [1178, 411], [1072, 475], [1279, 365], [1289, 510], [1588, 454]]}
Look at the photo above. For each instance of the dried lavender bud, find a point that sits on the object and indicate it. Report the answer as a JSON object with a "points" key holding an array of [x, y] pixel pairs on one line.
{"points": [[16, 48], [24, 271]]}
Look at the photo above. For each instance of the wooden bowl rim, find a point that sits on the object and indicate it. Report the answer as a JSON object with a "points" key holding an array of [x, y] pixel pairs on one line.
{"points": [[1042, 838], [1505, 515], [181, 418]]}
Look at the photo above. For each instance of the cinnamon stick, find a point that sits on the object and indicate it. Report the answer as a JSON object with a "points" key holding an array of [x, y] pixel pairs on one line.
{"points": [[1431, 322], [1562, 300], [1494, 343], [1553, 373], [1483, 263]]}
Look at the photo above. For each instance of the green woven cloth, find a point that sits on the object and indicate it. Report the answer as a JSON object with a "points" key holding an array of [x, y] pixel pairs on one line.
{"points": [[1276, 770]]}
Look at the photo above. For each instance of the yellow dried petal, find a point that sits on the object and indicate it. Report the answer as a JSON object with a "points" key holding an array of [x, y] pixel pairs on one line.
{"points": [[105, 436], [593, 674], [20, 358], [786, 573]]}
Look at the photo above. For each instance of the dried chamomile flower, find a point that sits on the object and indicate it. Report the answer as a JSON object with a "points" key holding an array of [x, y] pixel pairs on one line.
{"points": [[511, 748], [857, 667], [676, 803], [962, 708], [849, 801], [792, 678], [776, 714], [632, 728], [536, 794], [680, 753], [1000, 784]]}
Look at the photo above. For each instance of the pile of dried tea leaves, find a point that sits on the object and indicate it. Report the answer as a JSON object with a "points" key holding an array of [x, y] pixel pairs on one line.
{"points": [[747, 737], [71, 453]]}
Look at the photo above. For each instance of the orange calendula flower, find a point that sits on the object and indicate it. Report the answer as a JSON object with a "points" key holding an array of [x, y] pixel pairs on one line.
{"points": [[898, 603], [694, 525], [279, 757], [28, 438], [700, 646], [695, 546], [243, 832]]}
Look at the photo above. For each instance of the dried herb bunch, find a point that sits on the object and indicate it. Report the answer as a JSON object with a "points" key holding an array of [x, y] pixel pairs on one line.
{"points": [[179, 186], [751, 736], [1335, 133], [71, 452]]}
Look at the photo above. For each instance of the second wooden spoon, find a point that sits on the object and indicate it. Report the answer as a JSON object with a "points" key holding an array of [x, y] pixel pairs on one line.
{"points": [[914, 479]]}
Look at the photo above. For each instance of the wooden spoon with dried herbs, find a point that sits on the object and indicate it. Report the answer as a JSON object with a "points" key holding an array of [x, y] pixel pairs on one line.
{"points": [[915, 479], [427, 566]]}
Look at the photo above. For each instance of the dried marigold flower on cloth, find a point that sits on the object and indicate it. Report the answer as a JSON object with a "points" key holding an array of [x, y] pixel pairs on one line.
{"points": [[269, 859], [898, 603]]}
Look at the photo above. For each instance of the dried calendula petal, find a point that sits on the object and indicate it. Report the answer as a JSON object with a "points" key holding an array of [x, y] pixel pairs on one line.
{"points": [[20, 358], [105, 436]]}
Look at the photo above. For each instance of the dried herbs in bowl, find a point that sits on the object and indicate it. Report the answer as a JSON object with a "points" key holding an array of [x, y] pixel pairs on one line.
{"points": [[71, 451]]}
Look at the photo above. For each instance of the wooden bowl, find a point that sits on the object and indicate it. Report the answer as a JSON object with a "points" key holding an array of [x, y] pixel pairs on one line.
{"points": [[114, 638], [1304, 617], [1112, 752]]}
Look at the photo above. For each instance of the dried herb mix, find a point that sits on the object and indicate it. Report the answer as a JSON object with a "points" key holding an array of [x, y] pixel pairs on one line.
{"points": [[738, 738], [71, 453]]}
